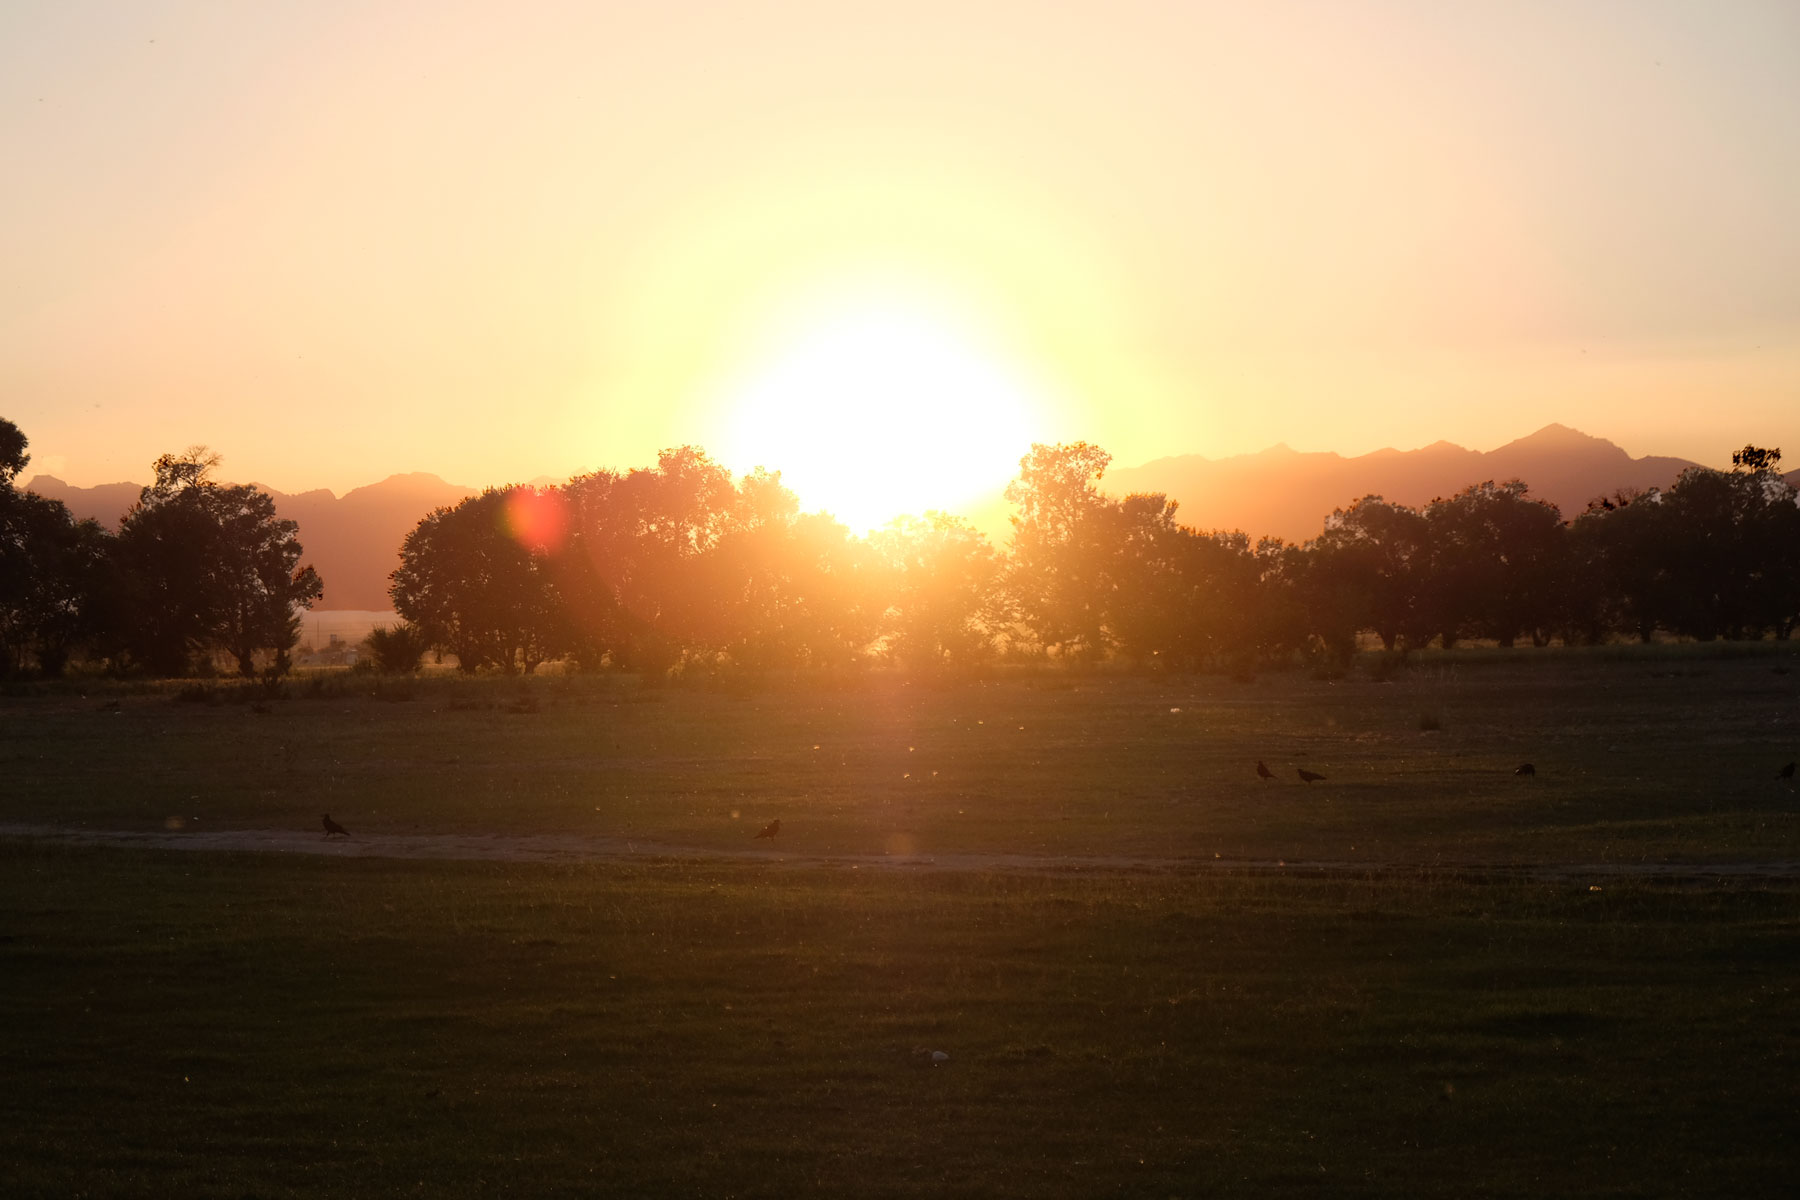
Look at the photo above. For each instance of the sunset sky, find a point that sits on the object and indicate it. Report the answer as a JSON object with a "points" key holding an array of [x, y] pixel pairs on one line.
{"points": [[336, 241]]}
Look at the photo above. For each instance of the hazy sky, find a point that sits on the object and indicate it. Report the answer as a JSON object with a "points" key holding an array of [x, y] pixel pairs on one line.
{"points": [[496, 241]]}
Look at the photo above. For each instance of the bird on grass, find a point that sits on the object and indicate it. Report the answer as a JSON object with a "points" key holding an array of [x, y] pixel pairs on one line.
{"points": [[332, 827], [1786, 773], [1307, 776], [1525, 769], [770, 830], [1262, 770]]}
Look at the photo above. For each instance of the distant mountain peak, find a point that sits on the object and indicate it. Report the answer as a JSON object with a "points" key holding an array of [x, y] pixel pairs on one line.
{"points": [[411, 483], [1283, 452], [423, 477], [1555, 435]]}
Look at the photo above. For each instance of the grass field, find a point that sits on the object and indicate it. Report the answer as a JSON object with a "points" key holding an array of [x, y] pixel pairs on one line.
{"points": [[238, 1024], [1656, 756]]}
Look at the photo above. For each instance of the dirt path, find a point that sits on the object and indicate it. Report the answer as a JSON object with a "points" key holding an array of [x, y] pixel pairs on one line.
{"points": [[569, 848]]}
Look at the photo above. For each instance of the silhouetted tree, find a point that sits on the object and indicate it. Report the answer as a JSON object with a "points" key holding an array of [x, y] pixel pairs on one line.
{"points": [[397, 649], [1728, 542], [1772, 536], [1496, 555], [1176, 597], [12, 452], [583, 568], [1705, 551], [1282, 619], [1148, 608], [1057, 568], [679, 565], [1617, 544], [1370, 567], [50, 568], [944, 605], [478, 588], [756, 579], [263, 586], [837, 581], [1590, 610], [205, 566], [1230, 609], [646, 541]]}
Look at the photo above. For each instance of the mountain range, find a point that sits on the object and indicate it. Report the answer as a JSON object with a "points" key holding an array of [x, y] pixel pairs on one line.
{"points": [[354, 539], [1288, 493]]}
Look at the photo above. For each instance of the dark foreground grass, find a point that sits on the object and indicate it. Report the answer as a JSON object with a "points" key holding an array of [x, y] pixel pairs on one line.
{"points": [[1642, 754], [261, 1026]]}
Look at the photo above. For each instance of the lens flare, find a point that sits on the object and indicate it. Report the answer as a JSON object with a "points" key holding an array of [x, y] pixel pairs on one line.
{"points": [[537, 519]]}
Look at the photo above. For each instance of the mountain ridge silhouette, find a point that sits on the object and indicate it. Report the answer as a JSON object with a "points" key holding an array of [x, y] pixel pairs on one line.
{"points": [[1288, 493]]}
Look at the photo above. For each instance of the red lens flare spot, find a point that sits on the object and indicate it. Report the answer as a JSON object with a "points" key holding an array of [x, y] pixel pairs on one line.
{"points": [[537, 519]]}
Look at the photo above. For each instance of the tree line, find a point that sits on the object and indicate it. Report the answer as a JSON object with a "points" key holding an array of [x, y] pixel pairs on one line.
{"points": [[199, 571], [679, 567]]}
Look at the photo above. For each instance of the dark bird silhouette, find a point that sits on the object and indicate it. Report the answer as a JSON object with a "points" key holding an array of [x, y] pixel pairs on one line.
{"points": [[1262, 769], [332, 827], [1786, 772], [1525, 769], [770, 830], [1307, 776]]}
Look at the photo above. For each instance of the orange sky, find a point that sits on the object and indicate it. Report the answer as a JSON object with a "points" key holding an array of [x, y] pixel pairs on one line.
{"points": [[336, 241]]}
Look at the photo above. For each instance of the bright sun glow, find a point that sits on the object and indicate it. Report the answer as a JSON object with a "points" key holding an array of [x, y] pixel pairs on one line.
{"points": [[881, 410]]}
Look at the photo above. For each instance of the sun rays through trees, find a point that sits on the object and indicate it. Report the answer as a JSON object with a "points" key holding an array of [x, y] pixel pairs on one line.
{"points": [[677, 567]]}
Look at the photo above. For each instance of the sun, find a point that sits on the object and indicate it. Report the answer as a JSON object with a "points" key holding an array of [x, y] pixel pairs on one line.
{"points": [[882, 408]]}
